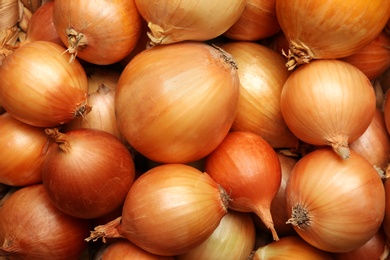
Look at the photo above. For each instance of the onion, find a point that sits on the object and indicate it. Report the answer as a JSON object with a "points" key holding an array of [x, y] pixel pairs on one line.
{"points": [[234, 238], [247, 167], [32, 5], [31, 227], [335, 205], [39, 87], [386, 111], [100, 32], [257, 21], [374, 143], [101, 75], [23, 151], [373, 59], [339, 28], [195, 94], [328, 102], [169, 210], [124, 249], [176, 21], [290, 247], [87, 173], [41, 26], [262, 75], [375, 248]]}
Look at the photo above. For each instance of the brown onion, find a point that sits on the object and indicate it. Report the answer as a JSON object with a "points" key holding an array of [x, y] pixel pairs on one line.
{"points": [[176, 21], [328, 102], [338, 29], [31, 227], [169, 210], [290, 247], [23, 149], [247, 167], [86, 172], [373, 59], [38, 86], [257, 21], [335, 205], [234, 238], [262, 75], [183, 101], [100, 32]]}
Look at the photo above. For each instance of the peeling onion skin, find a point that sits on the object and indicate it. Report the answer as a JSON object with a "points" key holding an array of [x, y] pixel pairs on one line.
{"points": [[32, 228], [335, 205]]}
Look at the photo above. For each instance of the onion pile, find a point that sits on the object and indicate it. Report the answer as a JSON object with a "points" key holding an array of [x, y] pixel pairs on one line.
{"points": [[226, 129]]}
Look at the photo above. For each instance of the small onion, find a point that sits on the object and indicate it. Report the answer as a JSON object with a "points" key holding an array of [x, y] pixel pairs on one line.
{"points": [[262, 75], [247, 167], [257, 21], [23, 149], [86, 172], [169, 210], [31, 227], [338, 29], [234, 238], [176, 21], [100, 32], [335, 205], [38, 86], [290, 247], [328, 102], [175, 103]]}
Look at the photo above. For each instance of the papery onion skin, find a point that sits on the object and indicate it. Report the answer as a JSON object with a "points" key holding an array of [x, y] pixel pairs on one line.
{"points": [[31, 227], [335, 205], [23, 149], [257, 21], [38, 86], [247, 167], [100, 32], [177, 21], [169, 210], [234, 238], [290, 246], [262, 75], [328, 102], [339, 28], [183, 101], [87, 172]]}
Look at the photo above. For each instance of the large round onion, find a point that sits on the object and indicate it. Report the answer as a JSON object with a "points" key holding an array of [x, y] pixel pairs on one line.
{"points": [[176, 103], [329, 29]]}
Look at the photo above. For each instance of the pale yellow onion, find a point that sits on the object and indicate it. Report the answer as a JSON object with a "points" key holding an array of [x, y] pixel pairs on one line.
{"points": [[328, 102], [329, 29], [288, 248], [175, 21], [175, 103], [257, 21], [335, 205], [262, 75], [234, 239]]}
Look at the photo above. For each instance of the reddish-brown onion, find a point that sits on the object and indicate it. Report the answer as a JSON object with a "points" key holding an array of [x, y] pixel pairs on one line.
{"points": [[290, 247], [38, 86], [86, 172], [335, 205], [100, 32], [373, 59], [23, 148], [31, 227], [169, 210], [257, 21], [328, 102], [183, 101], [262, 75], [247, 167], [340, 28]]}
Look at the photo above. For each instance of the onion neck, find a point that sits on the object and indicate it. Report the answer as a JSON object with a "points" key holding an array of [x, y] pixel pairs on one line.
{"points": [[297, 54], [109, 230], [224, 198], [300, 217], [77, 41], [227, 57], [264, 213], [61, 139], [340, 145]]}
